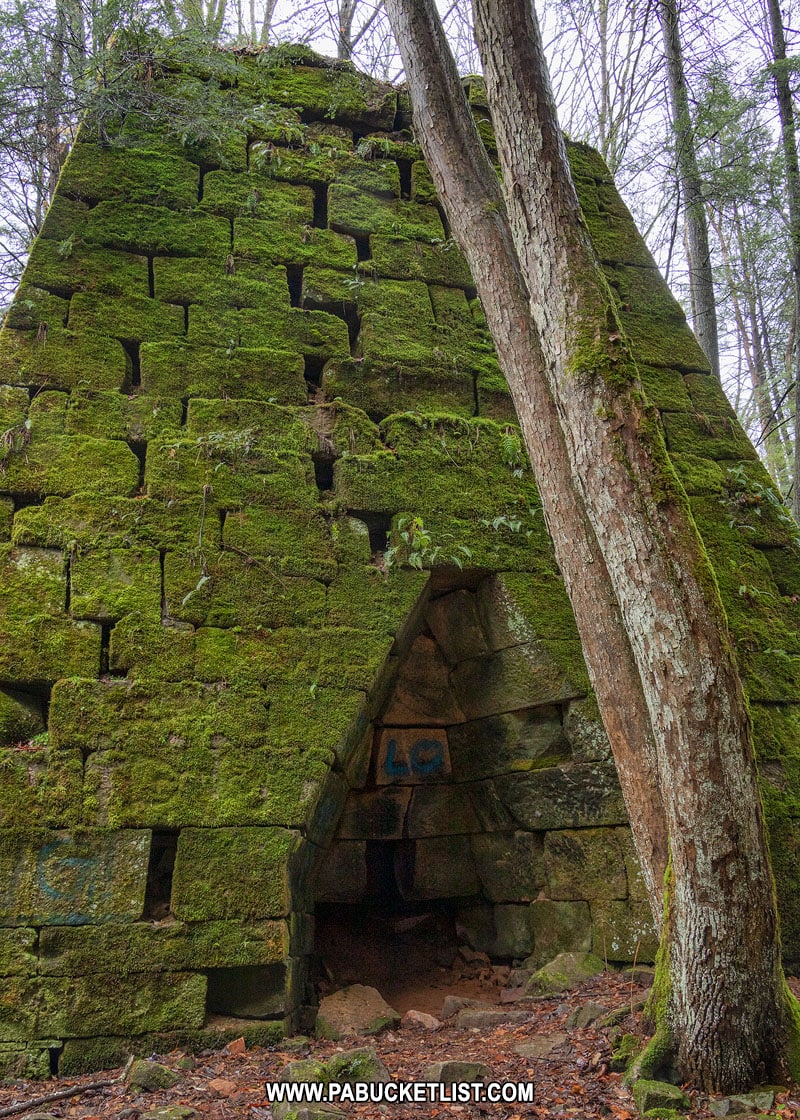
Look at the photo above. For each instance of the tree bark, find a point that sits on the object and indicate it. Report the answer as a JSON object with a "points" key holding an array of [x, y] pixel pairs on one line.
{"points": [[723, 1007], [701, 280], [475, 209], [783, 95]]}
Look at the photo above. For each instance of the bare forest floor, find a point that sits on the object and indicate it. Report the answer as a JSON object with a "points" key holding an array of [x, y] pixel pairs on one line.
{"points": [[572, 1081]]}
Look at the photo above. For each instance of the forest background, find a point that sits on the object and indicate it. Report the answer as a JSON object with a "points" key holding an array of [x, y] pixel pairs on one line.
{"points": [[692, 106]]}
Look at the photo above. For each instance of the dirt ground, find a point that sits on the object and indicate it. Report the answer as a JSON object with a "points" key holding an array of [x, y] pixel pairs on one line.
{"points": [[573, 1081]]}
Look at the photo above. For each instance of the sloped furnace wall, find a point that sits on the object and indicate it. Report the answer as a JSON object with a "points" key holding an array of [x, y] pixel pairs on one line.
{"points": [[232, 366]]}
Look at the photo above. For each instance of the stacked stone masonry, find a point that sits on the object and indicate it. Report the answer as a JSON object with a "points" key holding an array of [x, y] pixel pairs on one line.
{"points": [[237, 371]]}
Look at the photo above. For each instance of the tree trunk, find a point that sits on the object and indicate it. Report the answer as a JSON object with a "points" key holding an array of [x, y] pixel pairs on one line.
{"points": [[701, 281], [723, 1011], [475, 209], [783, 95]]}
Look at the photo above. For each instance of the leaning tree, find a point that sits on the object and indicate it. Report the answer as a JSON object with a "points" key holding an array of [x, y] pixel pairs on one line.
{"points": [[645, 599]]}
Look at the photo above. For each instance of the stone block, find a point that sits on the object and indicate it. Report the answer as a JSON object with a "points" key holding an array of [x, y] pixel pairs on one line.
{"points": [[412, 756], [360, 214], [443, 868], [92, 172], [442, 810], [455, 623], [585, 863], [513, 935], [107, 584], [636, 886], [66, 361], [102, 1004], [342, 876], [66, 465], [510, 865], [145, 649], [127, 318], [155, 230], [18, 951], [475, 925], [623, 931], [155, 946], [516, 608], [582, 795], [518, 677], [171, 755], [512, 741], [422, 696], [375, 814], [559, 927], [584, 731], [58, 878], [230, 873], [260, 373], [489, 808], [20, 717]]}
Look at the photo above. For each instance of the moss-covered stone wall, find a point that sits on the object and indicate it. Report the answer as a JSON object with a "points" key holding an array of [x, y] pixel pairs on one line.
{"points": [[236, 371]]}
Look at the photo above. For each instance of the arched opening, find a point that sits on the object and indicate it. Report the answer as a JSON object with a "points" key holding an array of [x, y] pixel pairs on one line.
{"points": [[444, 869]]}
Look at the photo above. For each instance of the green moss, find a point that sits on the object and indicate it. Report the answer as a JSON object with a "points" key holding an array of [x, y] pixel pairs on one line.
{"points": [[99, 521], [107, 584], [138, 228], [698, 475], [319, 162], [148, 947], [710, 437], [233, 588], [327, 657], [586, 161], [256, 196], [131, 318], [229, 471], [35, 308], [92, 173], [73, 266], [203, 888], [6, 518], [367, 599], [100, 1003], [294, 545], [336, 94], [29, 1062], [151, 650], [112, 415], [173, 369], [665, 388], [381, 386], [357, 213], [375, 176], [62, 360], [44, 649], [13, 407], [422, 188], [280, 428], [397, 258], [20, 718], [205, 280], [67, 464], [272, 243], [64, 220], [327, 290], [59, 878], [172, 755]]}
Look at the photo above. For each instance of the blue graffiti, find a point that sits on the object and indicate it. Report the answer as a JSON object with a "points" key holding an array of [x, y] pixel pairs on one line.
{"points": [[426, 758]]}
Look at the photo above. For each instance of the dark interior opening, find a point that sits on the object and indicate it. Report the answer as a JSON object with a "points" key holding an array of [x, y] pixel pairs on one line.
{"points": [[404, 166], [55, 1054], [314, 365], [323, 471], [294, 277], [378, 525], [363, 248], [320, 205], [131, 348], [252, 992], [158, 890]]}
